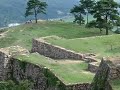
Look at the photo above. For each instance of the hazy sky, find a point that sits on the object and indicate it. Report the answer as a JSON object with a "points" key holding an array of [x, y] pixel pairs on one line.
{"points": [[117, 0]]}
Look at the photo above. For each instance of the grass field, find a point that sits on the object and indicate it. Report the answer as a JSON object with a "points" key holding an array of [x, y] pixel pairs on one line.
{"points": [[22, 35], [102, 46], [74, 37], [70, 72]]}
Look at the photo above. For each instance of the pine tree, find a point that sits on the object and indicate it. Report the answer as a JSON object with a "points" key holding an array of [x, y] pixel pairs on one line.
{"points": [[34, 7], [87, 5], [78, 13], [82, 9], [105, 12]]}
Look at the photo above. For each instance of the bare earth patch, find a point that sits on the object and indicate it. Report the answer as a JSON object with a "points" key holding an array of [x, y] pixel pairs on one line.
{"points": [[68, 61], [3, 34]]}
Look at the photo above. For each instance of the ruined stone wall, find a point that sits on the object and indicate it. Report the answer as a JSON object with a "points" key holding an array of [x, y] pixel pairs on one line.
{"points": [[36, 74], [84, 86], [100, 81], [55, 52], [114, 72], [26, 71], [16, 70], [114, 69], [3, 65], [93, 67]]}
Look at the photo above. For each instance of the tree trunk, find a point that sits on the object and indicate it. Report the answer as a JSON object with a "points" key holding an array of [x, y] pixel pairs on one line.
{"points": [[87, 17], [100, 30], [35, 15], [80, 19], [107, 32]]}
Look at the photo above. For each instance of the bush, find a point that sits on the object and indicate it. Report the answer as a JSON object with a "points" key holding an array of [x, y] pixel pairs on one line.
{"points": [[11, 85]]}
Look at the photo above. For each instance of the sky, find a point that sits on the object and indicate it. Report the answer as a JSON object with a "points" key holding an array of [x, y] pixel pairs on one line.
{"points": [[117, 0]]}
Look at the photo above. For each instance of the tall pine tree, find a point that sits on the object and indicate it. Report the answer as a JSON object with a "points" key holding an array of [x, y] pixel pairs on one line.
{"points": [[34, 7], [82, 9], [87, 5], [78, 13], [106, 11]]}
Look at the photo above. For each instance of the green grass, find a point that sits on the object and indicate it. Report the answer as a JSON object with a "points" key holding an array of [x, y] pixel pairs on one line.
{"points": [[69, 73], [98, 45], [115, 84], [22, 35]]}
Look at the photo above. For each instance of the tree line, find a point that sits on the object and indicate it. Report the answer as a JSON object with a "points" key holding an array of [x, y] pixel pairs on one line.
{"points": [[104, 12]]}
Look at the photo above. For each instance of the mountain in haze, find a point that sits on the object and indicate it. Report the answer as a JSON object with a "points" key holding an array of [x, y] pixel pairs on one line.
{"points": [[12, 11]]}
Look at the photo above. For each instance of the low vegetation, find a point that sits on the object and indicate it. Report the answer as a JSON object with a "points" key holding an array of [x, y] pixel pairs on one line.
{"points": [[101, 46], [70, 72], [22, 35], [74, 37]]}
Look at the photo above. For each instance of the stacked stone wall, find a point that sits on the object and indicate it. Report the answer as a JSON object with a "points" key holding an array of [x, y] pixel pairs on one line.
{"points": [[17, 70], [93, 67], [27, 71], [84, 86], [100, 81], [114, 72], [53, 51], [4, 61]]}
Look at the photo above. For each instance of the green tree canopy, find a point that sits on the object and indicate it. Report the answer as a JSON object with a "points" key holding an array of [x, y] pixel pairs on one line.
{"points": [[88, 6], [83, 8], [34, 7], [105, 12], [11, 85], [78, 12]]}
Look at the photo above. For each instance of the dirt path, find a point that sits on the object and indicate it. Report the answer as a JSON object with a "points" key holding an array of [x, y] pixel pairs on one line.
{"points": [[68, 61], [2, 35]]}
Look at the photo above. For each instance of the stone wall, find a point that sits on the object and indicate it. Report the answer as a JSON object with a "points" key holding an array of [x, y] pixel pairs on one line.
{"points": [[52, 51], [27, 71], [114, 68], [100, 81], [84, 86], [3, 65], [16, 70], [19, 70], [13, 69], [114, 72], [93, 66], [5, 55]]}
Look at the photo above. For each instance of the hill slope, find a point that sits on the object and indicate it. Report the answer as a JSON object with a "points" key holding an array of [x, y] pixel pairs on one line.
{"points": [[22, 35]]}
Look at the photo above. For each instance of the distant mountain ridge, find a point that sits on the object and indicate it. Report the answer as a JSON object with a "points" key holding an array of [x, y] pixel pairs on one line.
{"points": [[12, 11]]}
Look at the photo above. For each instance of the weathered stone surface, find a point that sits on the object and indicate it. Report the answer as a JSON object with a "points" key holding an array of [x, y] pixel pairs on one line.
{"points": [[90, 59], [52, 51], [3, 65], [11, 68], [93, 66], [100, 81], [26, 71], [5, 55], [84, 86], [14, 50]]}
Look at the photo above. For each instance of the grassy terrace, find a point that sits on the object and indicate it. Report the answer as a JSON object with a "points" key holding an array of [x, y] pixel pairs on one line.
{"points": [[102, 46], [115, 84], [70, 72], [22, 35]]}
